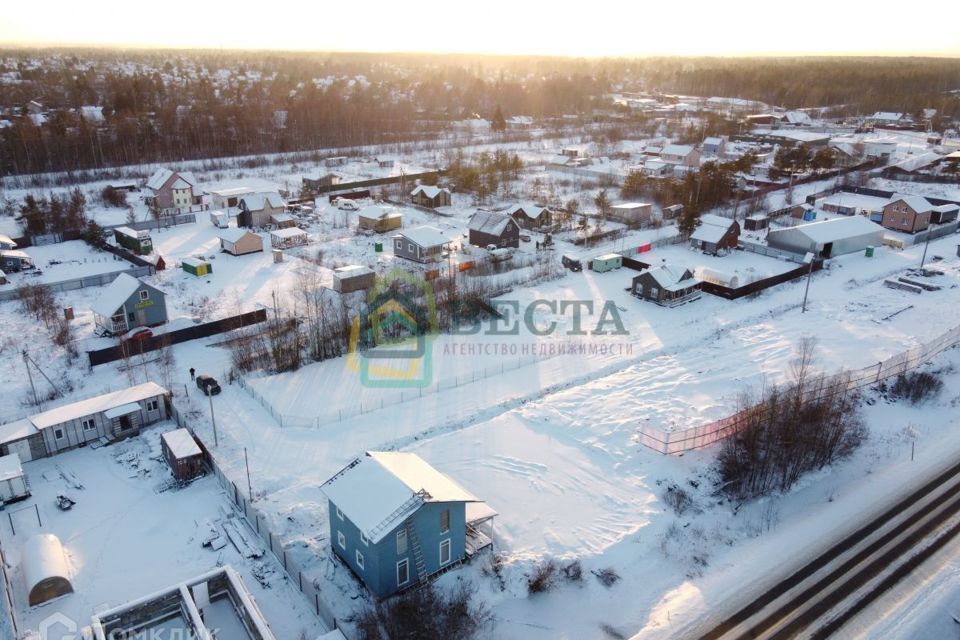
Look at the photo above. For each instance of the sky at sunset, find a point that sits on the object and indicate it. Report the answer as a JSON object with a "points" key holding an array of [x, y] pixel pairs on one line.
{"points": [[561, 27]]}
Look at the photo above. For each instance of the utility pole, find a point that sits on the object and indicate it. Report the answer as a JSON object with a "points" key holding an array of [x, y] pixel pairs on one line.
{"points": [[246, 460], [806, 292], [925, 247], [213, 419], [26, 363]]}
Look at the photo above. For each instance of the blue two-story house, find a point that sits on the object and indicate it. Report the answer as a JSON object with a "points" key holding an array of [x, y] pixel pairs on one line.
{"points": [[396, 521]]}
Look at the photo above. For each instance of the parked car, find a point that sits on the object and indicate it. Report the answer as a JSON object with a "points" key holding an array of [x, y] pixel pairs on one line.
{"points": [[525, 237], [347, 205], [208, 384], [571, 263]]}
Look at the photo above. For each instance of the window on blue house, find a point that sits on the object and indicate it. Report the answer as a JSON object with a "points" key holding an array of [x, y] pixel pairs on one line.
{"points": [[364, 539], [445, 551], [445, 521], [342, 540], [339, 513], [403, 572], [402, 541], [360, 560]]}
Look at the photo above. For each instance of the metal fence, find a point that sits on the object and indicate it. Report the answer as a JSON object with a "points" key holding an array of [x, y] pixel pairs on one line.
{"points": [[764, 250], [405, 395], [713, 432], [73, 284], [257, 522]]}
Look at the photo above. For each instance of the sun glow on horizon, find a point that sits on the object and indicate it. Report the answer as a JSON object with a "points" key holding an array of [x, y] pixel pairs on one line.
{"points": [[603, 28]]}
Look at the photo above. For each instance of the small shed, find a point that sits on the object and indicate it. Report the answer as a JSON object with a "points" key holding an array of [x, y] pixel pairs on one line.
{"points": [[13, 482], [283, 220], [238, 242], [672, 212], [182, 453], [637, 213], [197, 267], [352, 278], [379, 220], [45, 569], [756, 222], [606, 262], [137, 241], [290, 237]]}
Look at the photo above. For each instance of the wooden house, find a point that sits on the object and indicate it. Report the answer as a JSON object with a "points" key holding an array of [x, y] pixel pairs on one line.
{"points": [[715, 233], [665, 286], [320, 181], [908, 213], [430, 196], [352, 278], [379, 220], [420, 244], [531, 216], [169, 190], [128, 303], [107, 417], [256, 209], [183, 454], [488, 228], [397, 522], [238, 242]]}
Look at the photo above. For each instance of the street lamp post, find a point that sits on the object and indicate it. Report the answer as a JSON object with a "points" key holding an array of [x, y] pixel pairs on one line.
{"points": [[809, 260]]}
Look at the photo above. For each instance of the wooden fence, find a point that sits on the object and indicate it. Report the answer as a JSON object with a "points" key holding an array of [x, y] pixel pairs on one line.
{"points": [[707, 434]]}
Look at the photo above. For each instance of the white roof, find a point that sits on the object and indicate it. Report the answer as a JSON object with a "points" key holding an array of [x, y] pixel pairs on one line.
{"points": [[14, 253], [282, 217], [181, 443], [194, 262], [940, 208], [667, 279], [677, 150], [373, 212], [887, 115], [122, 410], [16, 430], [428, 190], [425, 236], [631, 205], [379, 490], [41, 558], [490, 222], [10, 467], [532, 211], [180, 183], [231, 191], [713, 140], [352, 270], [609, 256], [159, 178], [233, 235], [289, 232], [826, 231], [7, 240], [917, 203], [115, 294], [712, 228], [918, 161], [97, 404], [259, 201]]}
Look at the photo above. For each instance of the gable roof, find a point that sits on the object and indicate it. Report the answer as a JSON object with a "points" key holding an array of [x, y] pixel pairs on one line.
{"points": [[917, 203], [373, 212], [116, 293], [234, 234], [259, 201], [713, 140], [7, 240], [159, 178], [677, 150], [490, 222], [834, 229], [532, 211], [712, 228], [667, 277], [97, 404], [426, 236], [428, 190], [380, 490]]}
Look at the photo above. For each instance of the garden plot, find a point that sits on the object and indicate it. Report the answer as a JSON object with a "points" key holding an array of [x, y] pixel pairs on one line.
{"points": [[129, 535], [66, 261]]}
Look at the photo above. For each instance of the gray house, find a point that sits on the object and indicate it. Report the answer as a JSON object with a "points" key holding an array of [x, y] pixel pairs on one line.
{"points": [[128, 303], [111, 416], [420, 244], [497, 229], [665, 286], [257, 208], [530, 216], [397, 522]]}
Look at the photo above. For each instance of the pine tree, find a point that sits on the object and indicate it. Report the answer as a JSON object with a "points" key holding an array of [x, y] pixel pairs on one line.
{"points": [[498, 123], [689, 219]]}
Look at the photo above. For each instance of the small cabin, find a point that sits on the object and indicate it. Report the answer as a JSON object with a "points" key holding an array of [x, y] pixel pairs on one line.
{"points": [[197, 267], [139, 242], [352, 278], [606, 262], [238, 242], [13, 481], [182, 454]]}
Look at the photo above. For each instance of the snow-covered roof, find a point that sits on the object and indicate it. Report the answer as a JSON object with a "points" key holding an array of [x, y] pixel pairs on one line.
{"points": [[122, 410], [677, 150], [159, 178], [352, 270], [668, 279], [532, 211], [489, 222], [16, 430], [231, 191], [835, 229], [631, 205], [7, 240], [918, 161], [97, 404], [10, 467], [946, 207], [115, 294], [181, 444], [233, 234], [797, 117], [428, 190], [609, 256], [259, 201], [44, 564], [712, 228], [282, 217], [289, 232], [425, 236], [917, 203], [713, 141], [379, 490], [373, 212], [194, 262], [15, 253], [886, 115]]}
